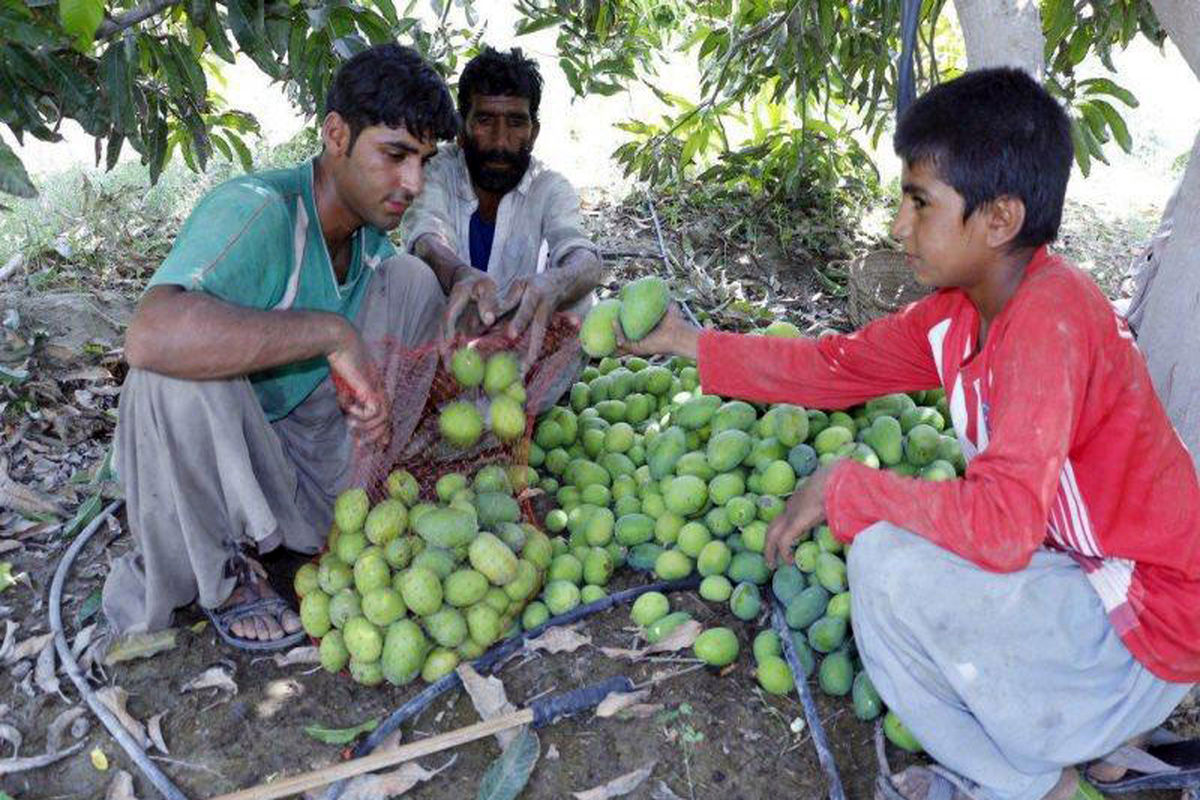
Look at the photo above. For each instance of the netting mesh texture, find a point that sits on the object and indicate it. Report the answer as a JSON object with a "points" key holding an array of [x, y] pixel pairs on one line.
{"points": [[419, 386]]}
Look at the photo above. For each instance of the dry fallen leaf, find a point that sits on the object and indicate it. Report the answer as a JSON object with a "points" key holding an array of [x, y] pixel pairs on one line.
{"points": [[10, 765], [307, 654], [390, 784], [559, 640], [618, 787], [99, 760], [217, 678], [83, 639], [489, 699], [154, 729], [115, 698], [10, 634], [28, 648], [140, 645], [279, 694], [679, 639], [44, 673], [120, 787], [552, 753], [54, 732], [663, 792], [627, 704], [13, 736]]}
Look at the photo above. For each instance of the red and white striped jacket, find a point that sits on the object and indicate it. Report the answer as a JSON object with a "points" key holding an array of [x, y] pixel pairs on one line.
{"points": [[1068, 446]]}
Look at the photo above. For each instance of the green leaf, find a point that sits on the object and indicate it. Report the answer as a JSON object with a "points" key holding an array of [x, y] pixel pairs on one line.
{"points": [[341, 735], [81, 18], [89, 607], [509, 773], [1116, 123], [1082, 156], [1106, 86], [527, 26], [88, 510], [13, 178]]}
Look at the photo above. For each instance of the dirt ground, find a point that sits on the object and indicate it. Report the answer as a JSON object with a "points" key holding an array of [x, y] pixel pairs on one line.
{"points": [[714, 736]]}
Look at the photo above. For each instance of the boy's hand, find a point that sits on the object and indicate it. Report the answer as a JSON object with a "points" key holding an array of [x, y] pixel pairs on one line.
{"points": [[805, 508], [672, 336], [361, 396]]}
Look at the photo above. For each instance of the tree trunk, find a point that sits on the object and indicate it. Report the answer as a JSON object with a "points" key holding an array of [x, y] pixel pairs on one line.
{"points": [[1002, 33], [1165, 309]]}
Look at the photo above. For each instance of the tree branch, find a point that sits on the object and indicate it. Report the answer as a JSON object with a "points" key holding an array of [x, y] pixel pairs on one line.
{"points": [[111, 27]]}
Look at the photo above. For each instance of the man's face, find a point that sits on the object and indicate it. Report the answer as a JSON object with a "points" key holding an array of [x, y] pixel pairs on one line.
{"points": [[380, 176], [497, 141], [943, 250]]}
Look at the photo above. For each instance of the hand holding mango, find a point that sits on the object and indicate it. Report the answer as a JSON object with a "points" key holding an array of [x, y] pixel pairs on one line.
{"points": [[804, 510], [641, 322]]}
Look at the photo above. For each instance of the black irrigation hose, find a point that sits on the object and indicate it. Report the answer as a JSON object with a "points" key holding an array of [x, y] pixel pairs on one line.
{"points": [[114, 727], [492, 658], [820, 742]]}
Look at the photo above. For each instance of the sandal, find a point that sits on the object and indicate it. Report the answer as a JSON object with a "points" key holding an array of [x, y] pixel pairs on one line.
{"points": [[223, 619], [1165, 762]]}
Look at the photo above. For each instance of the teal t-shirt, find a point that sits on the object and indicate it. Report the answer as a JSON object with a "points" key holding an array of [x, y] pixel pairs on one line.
{"points": [[256, 241]]}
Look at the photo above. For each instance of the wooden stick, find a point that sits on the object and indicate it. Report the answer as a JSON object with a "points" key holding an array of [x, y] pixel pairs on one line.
{"points": [[357, 766]]}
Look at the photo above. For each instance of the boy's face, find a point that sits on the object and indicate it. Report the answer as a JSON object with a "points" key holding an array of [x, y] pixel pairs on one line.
{"points": [[381, 173], [943, 250]]}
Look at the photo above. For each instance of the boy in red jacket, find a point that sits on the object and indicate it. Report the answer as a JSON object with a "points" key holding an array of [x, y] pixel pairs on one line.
{"points": [[1045, 608]]}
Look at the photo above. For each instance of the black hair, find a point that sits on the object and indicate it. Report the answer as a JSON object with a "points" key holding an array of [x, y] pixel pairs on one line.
{"points": [[392, 85], [990, 133], [494, 73]]}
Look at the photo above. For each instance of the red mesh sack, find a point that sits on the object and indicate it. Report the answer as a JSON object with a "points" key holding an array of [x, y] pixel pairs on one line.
{"points": [[419, 386]]}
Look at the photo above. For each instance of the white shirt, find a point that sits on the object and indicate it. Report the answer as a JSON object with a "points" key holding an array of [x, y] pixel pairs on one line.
{"points": [[537, 224]]}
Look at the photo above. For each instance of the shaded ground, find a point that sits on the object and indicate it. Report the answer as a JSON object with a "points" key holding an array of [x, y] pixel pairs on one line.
{"points": [[714, 737]]}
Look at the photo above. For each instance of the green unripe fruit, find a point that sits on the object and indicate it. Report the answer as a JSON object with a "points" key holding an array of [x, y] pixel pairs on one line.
{"points": [[672, 565], [363, 639], [561, 596], [402, 486], [659, 629], [371, 572], [667, 528], [422, 590], [686, 495], [305, 580], [746, 601], [714, 558], [467, 367], [314, 614], [774, 675], [717, 647], [447, 486], [643, 304], [778, 478], [597, 567], [464, 587], [333, 653], [483, 624], [438, 663], [716, 588], [692, 538], [501, 370], [333, 574], [344, 605], [350, 510], [597, 335], [398, 552], [754, 536], [382, 606], [447, 627], [460, 424], [566, 567], [350, 546], [556, 520], [490, 556], [535, 614], [404, 648], [649, 608], [591, 593], [741, 510], [368, 673], [506, 418], [725, 487], [766, 643]]}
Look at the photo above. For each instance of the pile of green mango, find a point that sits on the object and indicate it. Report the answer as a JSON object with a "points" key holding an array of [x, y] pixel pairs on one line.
{"points": [[491, 397], [408, 588], [646, 469]]}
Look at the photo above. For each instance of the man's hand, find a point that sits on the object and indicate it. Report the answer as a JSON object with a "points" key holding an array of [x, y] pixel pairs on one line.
{"points": [[672, 336], [536, 298], [471, 286], [805, 508], [366, 406]]}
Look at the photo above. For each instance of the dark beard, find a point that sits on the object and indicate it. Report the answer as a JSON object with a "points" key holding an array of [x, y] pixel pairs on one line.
{"points": [[499, 181]]}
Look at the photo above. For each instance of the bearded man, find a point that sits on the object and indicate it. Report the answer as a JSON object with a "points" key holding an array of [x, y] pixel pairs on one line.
{"points": [[501, 231]]}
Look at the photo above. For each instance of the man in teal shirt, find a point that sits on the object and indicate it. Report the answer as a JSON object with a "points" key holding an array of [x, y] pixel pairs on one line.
{"points": [[232, 438]]}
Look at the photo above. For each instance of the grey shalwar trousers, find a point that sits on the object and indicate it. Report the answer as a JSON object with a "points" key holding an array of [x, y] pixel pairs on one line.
{"points": [[1004, 678], [206, 475]]}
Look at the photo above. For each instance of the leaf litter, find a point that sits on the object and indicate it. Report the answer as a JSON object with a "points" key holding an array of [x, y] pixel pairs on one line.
{"points": [[619, 786]]}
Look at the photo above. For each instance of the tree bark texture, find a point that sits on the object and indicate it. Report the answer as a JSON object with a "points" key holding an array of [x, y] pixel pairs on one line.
{"points": [[1001, 33]]}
